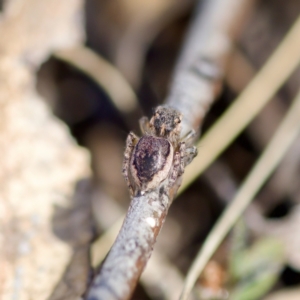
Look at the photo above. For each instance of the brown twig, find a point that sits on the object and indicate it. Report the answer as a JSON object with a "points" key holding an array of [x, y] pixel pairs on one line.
{"points": [[198, 75], [160, 279], [130, 252], [196, 84]]}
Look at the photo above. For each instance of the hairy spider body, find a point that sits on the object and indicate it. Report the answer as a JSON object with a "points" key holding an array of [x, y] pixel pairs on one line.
{"points": [[158, 155], [151, 161]]}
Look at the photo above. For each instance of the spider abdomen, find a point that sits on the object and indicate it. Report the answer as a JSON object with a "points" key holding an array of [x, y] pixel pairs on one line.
{"points": [[151, 161]]}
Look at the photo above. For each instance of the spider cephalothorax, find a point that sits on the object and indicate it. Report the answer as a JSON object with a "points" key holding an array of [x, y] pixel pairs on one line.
{"points": [[159, 154], [166, 122]]}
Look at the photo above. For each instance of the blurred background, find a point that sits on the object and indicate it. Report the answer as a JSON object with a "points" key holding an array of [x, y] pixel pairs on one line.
{"points": [[142, 39], [136, 44]]}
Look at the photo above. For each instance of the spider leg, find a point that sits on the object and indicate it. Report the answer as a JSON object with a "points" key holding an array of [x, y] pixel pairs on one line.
{"points": [[144, 125], [189, 138], [190, 154], [182, 151], [131, 141], [178, 164]]}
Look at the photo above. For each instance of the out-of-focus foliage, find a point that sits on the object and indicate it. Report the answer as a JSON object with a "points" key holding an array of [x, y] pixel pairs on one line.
{"points": [[254, 269]]}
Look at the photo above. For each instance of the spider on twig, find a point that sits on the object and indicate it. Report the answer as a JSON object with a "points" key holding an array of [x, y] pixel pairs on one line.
{"points": [[159, 154]]}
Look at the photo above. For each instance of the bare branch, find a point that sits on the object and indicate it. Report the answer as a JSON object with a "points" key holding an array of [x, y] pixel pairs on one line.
{"points": [[160, 278], [261, 88], [198, 76], [133, 247], [247, 105], [196, 84]]}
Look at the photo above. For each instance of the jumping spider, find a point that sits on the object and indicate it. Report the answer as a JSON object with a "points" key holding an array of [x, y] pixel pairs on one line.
{"points": [[159, 153]]}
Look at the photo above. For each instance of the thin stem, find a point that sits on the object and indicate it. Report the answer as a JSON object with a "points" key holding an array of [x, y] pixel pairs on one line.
{"points": [[201, 66], [269, 160], [255, 96], [105, 75], [201, 76]]}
